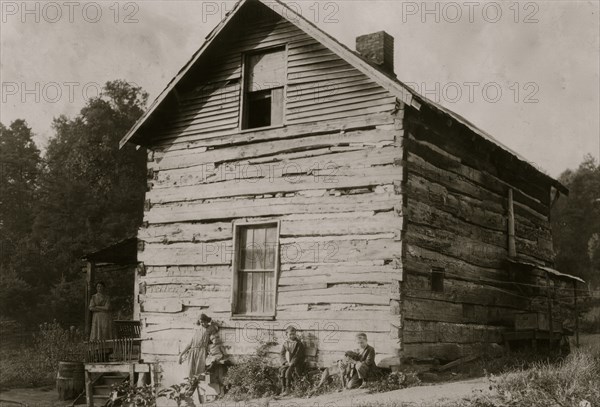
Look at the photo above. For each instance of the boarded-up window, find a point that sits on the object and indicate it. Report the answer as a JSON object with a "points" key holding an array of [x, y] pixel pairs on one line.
{"points": [[255, 270], [265, 74]]}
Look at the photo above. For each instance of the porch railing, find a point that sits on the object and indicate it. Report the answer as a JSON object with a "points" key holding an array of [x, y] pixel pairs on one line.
{"points": [[113, 350], [127, 329]]}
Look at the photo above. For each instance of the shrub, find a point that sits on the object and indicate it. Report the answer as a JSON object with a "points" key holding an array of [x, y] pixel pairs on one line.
{"points": [[126, 395], [55, 344], [37, 364], [252, 377], [181, 393]]}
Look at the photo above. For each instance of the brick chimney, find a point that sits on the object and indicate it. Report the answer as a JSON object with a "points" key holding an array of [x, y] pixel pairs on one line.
{"points": [[378, 48]]}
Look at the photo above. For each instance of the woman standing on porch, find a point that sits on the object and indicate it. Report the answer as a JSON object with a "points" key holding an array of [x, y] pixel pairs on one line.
{"points": [[101, 316]]}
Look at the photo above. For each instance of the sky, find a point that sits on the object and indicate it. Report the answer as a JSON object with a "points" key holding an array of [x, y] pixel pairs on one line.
{"points": [[526, 72]]}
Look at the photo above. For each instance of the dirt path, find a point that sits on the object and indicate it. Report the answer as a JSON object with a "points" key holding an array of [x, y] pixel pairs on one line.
{"points": [[39, 397], [423, 396], [436, 395]]}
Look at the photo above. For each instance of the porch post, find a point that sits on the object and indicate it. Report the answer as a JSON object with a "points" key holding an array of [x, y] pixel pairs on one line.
{"points": [[576, 313], [550, 315], [89, 287]]}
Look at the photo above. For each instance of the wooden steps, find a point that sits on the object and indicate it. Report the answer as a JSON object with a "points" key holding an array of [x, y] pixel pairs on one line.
{"points": [[102, 386]]}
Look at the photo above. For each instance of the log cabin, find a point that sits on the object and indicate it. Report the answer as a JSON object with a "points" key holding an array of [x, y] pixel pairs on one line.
{"points": [[292, 180]]}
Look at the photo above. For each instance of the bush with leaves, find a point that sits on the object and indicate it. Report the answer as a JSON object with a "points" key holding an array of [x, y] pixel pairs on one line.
{"points": [[127, 395], [36, 365], [56, 344], [253, 376], [181, 392]]}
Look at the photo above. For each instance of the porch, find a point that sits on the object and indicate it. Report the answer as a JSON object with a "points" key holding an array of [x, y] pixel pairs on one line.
{"points": [[117, 360]]}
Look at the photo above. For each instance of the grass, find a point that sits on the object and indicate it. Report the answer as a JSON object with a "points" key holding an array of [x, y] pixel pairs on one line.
{"points": [[33, 362], [573, 382], [21, 366]]}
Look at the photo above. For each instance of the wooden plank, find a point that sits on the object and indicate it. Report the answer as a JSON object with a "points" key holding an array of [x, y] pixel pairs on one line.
{"points": [[451, 164], [442, 351], [344, 178], [322, 163], [170, 305], [467, 249], [374, 299], [444, 311], [302, 287], [435, 332], [332, 250], [481, 154], [235, 137], [117, 367], [239, 208], [485, 214], [385, 105], [185, 232], [418, 286], [195, 157]]}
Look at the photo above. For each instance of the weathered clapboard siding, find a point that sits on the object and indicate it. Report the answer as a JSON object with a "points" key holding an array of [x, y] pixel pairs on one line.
{"points": [[455, 218], [320, 84]]}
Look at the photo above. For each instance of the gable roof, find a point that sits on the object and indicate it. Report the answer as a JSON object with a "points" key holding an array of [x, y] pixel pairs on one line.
{"points": [[390, 83]]}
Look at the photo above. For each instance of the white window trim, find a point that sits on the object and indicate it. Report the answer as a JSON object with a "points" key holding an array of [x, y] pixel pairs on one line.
{"points": [[235, 269]]}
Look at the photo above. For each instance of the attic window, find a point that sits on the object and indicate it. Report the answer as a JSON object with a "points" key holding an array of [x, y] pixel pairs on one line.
{"points": [[437, 279], [263, 89]]}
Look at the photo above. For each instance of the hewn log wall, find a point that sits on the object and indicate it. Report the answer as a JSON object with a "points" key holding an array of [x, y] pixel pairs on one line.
{"points": [[329, 177], [456, 192]]}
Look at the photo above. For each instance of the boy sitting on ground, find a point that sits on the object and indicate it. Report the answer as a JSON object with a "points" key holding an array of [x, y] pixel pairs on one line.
{"points": [[292, 360], [355, 368], [365, 365]]}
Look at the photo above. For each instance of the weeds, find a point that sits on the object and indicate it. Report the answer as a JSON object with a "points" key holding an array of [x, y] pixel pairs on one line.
{"points": [[393, 381], [36, 365], [252, 377], [573, 382]]}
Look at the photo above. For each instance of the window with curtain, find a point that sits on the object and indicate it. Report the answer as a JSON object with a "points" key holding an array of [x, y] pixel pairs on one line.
{"points": [[255, 269]]}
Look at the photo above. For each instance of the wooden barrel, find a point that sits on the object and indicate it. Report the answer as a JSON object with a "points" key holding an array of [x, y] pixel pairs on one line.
{"points": [[70, 380]]}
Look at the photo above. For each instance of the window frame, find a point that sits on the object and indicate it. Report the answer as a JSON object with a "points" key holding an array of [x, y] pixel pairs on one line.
{"points": [[244, 100], [235, 269]]}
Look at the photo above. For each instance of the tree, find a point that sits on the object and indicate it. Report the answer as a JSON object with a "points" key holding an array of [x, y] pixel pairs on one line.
{"points": [[19, 168], [85, 194], [91, 193], [576, 222]]}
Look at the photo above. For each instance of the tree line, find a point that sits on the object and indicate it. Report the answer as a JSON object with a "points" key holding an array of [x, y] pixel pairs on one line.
{"points": [[84, 193], [81, 195]]}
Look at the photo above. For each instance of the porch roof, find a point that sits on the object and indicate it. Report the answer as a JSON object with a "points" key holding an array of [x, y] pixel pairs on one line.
{"points": [[547, 270], [121, 252]]}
